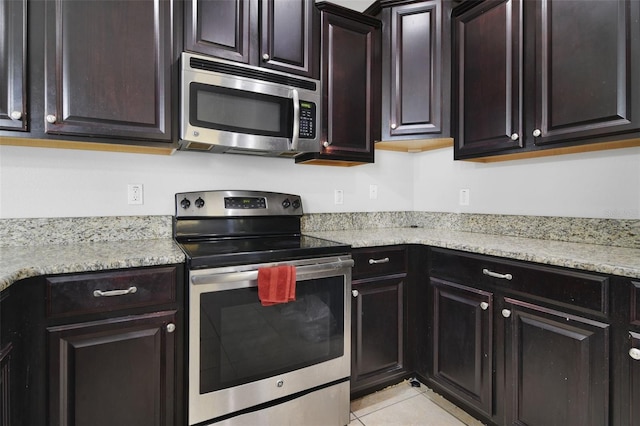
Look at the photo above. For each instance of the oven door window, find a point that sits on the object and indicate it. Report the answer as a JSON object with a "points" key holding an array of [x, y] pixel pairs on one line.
{"points": [[240, 111], [242, 341]]}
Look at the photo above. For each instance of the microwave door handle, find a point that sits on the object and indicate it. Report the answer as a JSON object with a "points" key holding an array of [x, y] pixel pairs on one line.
{"points": [[296, 120]]}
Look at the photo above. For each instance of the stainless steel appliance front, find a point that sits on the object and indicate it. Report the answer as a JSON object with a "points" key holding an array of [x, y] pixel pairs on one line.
{"points": [[236, 108], [248, 363]]}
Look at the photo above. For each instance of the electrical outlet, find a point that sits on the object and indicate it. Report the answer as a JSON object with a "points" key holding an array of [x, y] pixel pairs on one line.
{"points": [[134, 193], [373, 192], [464, 197], [338, 196]]}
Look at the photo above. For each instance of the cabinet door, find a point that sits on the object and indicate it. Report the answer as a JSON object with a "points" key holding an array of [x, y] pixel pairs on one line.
{"points": [[13, 108], [113, 372], [487, 76], [109, 68], [462, 342], [587, 62], [412, 85], [377, 329], [350, 73], [5, 385], [289, 36], [221, 28], [634, 380], [557, 367]]}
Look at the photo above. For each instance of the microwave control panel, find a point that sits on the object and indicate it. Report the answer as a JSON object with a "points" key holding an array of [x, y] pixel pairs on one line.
{"points": [[307, 120]]}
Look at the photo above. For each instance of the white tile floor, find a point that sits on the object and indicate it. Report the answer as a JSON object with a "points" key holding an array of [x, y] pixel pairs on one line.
{"points": [[405, 405]]}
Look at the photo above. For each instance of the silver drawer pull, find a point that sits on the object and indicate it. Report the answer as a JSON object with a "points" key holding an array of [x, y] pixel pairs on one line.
{"points": [[497, 275], [377, 261], [109, 293]]}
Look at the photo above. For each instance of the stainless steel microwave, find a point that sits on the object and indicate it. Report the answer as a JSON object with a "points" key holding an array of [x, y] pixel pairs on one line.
{"points": [[236, 108]]}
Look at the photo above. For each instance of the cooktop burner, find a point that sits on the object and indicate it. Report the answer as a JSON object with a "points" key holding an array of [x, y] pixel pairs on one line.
{"points": [[226, 228], [234, 251]]}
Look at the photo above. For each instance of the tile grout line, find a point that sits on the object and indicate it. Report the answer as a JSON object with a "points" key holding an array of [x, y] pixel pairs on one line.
{"points": [[385, 407]]}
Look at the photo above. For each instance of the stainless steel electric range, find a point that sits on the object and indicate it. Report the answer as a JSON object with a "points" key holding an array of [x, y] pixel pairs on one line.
{"points": [[250, 364]]}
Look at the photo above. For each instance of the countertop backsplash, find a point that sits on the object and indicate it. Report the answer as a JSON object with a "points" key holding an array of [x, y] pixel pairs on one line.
{"points": [[42, 231], [612, 232]]}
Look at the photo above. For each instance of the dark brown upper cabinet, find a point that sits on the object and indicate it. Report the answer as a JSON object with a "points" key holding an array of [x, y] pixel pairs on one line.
{"points": [[416, 70], [350, 75], [280, 35], [109, 69], [534, 75], [13, 82]]}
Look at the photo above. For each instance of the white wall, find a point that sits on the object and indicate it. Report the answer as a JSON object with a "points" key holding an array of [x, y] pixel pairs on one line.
{"points": [[603, 184], [39, 182]]}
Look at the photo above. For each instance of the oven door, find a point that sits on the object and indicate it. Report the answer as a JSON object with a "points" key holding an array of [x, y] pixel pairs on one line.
{"points": [[243, 354]]}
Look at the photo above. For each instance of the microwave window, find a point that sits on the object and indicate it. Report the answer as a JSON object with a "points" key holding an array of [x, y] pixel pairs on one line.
{"points": [[241, 111]]}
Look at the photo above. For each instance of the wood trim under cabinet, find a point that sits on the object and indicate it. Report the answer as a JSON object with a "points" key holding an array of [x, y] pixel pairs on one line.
{"points": [[629, 143], [87, 146], [414, 145]]}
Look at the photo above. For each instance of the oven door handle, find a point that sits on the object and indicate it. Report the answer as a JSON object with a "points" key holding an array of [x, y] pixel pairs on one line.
{"points": [[230, 277]]}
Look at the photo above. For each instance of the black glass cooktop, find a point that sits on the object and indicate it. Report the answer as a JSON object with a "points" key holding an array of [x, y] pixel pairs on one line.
{"points": [[234, 251]]}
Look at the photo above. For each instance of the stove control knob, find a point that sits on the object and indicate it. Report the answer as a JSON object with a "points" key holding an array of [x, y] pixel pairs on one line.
{"points": [[199, 203], [286, 203], [296, 204], [185, 203]]}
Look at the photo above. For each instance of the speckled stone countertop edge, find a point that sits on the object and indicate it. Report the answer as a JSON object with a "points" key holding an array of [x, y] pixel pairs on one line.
{"points": [[22, 262], [17, 263], [619, 261]]}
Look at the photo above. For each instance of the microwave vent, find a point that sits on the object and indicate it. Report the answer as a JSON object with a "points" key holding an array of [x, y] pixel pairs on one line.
{"points": [[203, 64]]}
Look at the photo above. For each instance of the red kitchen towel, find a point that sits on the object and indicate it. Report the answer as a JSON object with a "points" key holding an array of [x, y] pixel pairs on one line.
{"points": [[276, 284]]}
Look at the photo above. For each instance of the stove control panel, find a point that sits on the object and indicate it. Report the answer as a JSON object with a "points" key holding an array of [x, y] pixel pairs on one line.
{"points": [[237, 203]]}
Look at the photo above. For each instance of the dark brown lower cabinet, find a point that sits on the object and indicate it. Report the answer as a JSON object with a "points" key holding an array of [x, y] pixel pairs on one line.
{"points": [[516, 343], [378, 319], [463, 342], [634, 378], [557, 367], [113, 372], [377, 337], [5, 385]]}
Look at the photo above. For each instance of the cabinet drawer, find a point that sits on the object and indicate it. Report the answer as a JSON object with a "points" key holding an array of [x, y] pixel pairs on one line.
{"points": [[579, 290], [109, 291], [378, 261]]}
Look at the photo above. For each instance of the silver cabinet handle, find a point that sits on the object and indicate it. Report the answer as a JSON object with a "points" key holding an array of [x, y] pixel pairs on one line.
{"points": [[16, 115], [394, 125], [51, 118], [514, 136], [484, 306], [355, 293], [506, 313], [171, 327], [497, 275], [536, 133], [326, 144], [109, 293], [266, 57], [634, 353], [377, 261]]}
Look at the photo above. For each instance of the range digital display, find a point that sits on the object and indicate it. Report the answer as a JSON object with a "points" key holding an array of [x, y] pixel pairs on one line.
{"points": [[245, 203]]}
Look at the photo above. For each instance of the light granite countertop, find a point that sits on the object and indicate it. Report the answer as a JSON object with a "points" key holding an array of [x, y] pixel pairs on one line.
{"points": [[604, 259], [23, 261], [19, 262]]}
